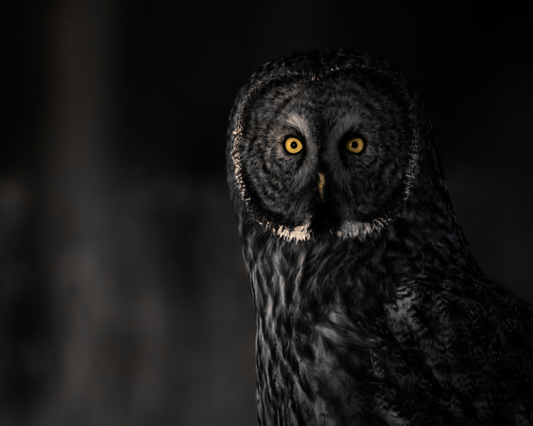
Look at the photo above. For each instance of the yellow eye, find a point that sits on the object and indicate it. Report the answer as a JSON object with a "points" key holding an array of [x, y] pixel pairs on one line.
{"points": [[355, 145], [293, 145]]}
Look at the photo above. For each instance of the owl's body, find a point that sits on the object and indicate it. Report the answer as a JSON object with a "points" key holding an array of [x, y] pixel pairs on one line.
{"points": [[370, 307]]}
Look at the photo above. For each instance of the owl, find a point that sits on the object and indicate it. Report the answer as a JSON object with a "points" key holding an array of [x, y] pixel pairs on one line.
{"points": [[370, 308]]}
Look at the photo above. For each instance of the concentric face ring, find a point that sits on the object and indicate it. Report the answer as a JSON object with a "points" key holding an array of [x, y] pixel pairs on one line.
{"points": [[285, 133]]}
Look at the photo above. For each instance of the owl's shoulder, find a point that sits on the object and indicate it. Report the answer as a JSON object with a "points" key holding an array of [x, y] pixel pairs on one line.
{"points": [[460, 348], [461, 305]]}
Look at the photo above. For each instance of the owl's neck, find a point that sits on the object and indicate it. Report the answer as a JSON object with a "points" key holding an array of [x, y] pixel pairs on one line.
{"points": [[424, 241]]}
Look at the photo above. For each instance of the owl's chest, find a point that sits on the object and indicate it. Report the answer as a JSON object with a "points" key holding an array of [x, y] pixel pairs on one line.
{"points": [[312, 356], [318, 305], [312, 368]]}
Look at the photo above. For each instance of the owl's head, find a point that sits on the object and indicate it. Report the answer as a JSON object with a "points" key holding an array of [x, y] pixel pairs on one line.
{"points": [[323, 142]]}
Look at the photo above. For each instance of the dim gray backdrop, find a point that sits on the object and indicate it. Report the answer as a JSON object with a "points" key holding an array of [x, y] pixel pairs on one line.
{"points": [[124, 300]]}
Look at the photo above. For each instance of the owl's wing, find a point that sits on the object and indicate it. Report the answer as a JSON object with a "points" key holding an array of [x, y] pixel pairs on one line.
{"points": [[456, 352]]}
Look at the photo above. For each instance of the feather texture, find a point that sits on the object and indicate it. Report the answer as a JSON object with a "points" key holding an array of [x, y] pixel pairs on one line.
{"points": [[371, 309]]}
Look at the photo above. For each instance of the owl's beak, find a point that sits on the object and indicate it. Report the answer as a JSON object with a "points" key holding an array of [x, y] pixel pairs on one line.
{"points": [[321, 184]]}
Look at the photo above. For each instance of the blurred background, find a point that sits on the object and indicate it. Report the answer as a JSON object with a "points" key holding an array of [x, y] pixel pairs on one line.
{"points": [[124, 299]]}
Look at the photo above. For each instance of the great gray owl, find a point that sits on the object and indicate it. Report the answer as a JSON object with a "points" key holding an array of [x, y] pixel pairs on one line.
{"points": [[371, 309]]}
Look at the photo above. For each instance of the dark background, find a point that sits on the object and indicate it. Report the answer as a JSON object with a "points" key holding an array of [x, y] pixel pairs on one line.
{"points": [[124, 300]]}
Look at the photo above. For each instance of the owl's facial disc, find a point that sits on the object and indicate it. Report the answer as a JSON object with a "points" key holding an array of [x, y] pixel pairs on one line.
{"points": [[325, 155]]}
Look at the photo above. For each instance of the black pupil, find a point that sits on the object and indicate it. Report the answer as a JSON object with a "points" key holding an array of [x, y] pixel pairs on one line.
{"points": [[294, 145], [354, 144]]}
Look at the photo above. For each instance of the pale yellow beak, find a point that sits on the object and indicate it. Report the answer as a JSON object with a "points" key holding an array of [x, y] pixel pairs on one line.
{"points": [[321, 184]]}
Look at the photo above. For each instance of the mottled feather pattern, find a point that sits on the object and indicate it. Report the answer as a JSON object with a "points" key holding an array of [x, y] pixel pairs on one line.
{"points": [[299, 336], [445, 328], [371, 309]]}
